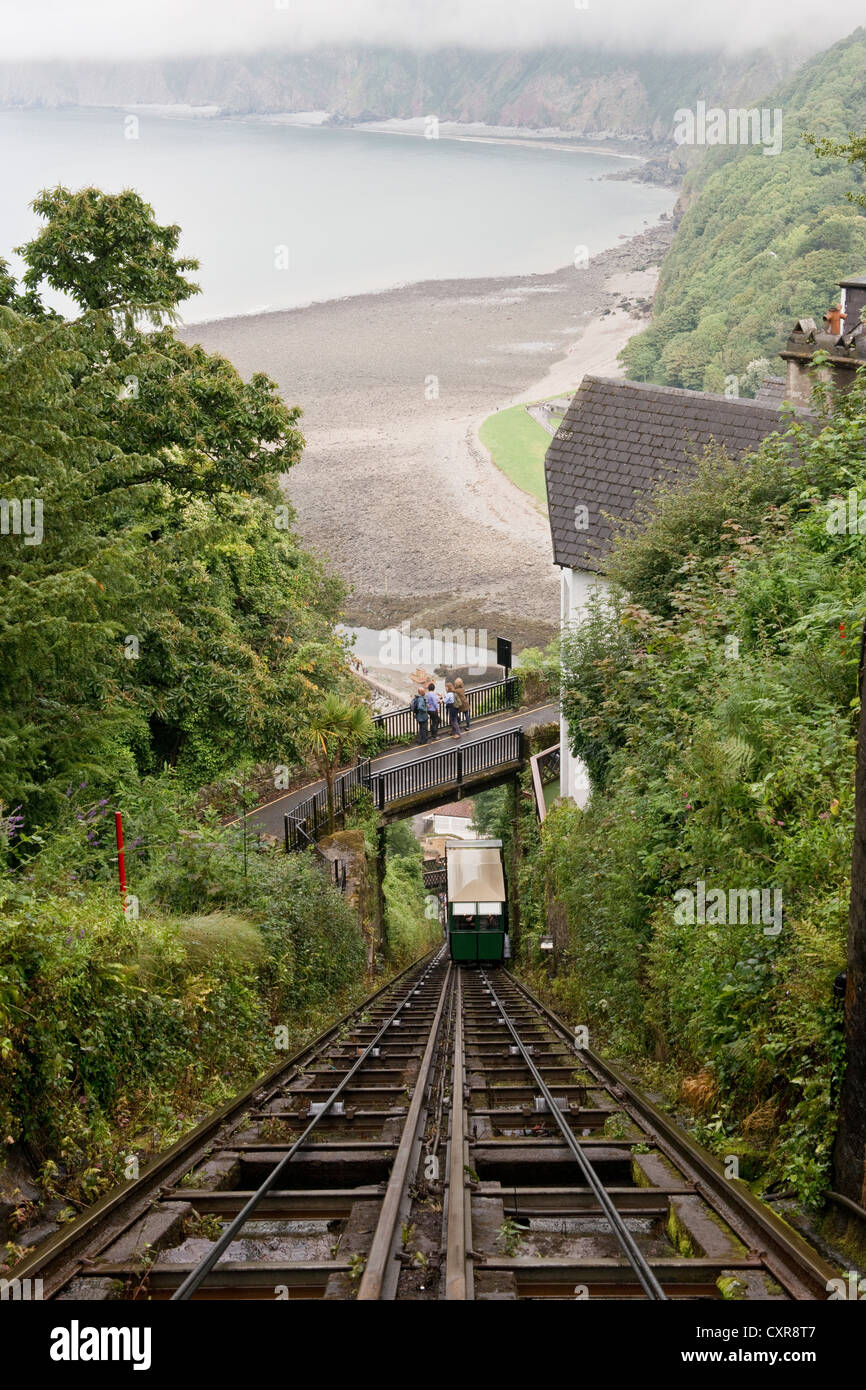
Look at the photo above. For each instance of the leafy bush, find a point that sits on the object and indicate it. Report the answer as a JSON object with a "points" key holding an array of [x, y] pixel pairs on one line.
{"points": [[717, 716], [538, 672], [115, 1033], [409, 929]]}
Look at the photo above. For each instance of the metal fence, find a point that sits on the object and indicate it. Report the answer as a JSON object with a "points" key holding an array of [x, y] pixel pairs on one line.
{"points": [[483, 700], [329, 866], [434, 874], [447, 769], [310, 817]]}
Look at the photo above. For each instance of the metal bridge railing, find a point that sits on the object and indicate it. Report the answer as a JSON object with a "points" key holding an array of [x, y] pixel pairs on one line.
{"points": [[325, 863], [310, 816], [450, 768], [483, 700], [434, 875], [545, 769], [447, 769]]}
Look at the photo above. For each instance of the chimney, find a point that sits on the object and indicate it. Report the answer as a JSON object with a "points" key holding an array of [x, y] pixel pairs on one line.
{"points": [[846, 350], [853, 301], [798, 356]]}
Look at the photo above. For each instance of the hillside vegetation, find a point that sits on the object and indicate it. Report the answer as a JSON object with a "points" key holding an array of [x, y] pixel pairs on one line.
{"points": [[764, 239], [117, 1032], [716, 708], [162, 628]]}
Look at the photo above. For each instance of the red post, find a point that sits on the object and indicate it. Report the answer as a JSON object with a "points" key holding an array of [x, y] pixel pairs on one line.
{"points": [[121, 863]]}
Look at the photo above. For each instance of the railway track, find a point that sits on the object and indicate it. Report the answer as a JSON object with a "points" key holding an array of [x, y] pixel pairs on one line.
{"points": [[282, 1193], [447, 1140], [525, 1217]]}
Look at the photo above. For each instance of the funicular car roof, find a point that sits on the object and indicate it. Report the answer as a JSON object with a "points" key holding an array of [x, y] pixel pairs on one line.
{"points": [[474, 871]]}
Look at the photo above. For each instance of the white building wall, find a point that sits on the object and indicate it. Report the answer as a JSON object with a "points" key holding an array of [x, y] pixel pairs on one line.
{"points": [[459, 827], [576, 587]]}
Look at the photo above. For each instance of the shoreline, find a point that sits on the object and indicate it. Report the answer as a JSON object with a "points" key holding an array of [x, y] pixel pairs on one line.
{"points": [[541, 137], [520, 136], [399, 288], [640, 160], [393, 491]]}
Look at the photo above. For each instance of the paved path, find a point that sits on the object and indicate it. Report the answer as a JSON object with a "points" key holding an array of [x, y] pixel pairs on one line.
{"points": [[269, 818], [542, 418]]}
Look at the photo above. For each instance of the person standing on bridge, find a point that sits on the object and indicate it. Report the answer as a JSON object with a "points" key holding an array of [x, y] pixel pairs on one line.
{"points": [[421, 713], [461, 700], [451, 709], [433, 707]]}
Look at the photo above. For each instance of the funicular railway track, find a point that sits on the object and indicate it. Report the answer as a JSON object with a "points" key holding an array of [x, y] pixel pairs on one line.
{"points": [[294, 1191], [446, 1140], [542, 1125]]}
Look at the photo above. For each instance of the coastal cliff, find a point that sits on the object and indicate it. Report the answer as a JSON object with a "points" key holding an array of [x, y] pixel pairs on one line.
{"points": [[585, 92]]}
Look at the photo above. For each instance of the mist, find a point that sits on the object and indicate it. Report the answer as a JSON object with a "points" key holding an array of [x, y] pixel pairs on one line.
{"points": [[75, 30]]}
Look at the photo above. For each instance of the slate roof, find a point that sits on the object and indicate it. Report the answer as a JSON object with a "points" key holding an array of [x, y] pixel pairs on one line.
{"points": [[772, 390], [619, 440]]}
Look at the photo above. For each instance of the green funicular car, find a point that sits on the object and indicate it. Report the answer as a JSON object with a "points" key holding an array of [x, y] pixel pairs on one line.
{"points": [[477, 901]]}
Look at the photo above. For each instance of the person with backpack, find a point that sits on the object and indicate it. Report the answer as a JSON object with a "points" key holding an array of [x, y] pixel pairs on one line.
{"points": [[421, 713], [433, 707], [461, 700], [450, 709]]}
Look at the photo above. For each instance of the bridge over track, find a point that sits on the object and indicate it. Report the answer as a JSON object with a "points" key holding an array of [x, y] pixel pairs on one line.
{"points": [[409, 780]]}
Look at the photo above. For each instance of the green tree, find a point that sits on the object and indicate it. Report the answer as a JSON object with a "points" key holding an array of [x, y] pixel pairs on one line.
{"points": [[853, 150], [107, 251], [168, 614]]}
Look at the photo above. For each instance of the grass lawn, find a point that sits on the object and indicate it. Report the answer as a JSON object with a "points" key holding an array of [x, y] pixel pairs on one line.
{"points": [[517, 445]]}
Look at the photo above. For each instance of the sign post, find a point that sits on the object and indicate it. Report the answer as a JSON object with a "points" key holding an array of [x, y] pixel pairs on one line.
{"points": [[121, 862], [503, 654]]}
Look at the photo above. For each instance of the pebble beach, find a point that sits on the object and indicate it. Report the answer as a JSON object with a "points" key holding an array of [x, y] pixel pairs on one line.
{"points": [[394, 489]]}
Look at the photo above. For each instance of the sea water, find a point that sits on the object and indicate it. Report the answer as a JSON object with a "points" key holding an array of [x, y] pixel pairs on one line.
{"points": [[281, 215]]}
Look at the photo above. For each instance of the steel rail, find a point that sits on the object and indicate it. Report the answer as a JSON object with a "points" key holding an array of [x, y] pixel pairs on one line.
{"points": [[132, 1196], [381, 1272], [648, 1281], [432, 1144], [459, 1279], [730, 1196], [197, 1276]]}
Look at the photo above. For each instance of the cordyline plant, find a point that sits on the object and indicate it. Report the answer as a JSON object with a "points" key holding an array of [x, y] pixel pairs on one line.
{"points": [[335, 733]]}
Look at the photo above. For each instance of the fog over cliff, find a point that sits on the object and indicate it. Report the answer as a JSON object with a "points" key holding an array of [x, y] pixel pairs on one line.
{"points": [[616, 67], [91, 29]]}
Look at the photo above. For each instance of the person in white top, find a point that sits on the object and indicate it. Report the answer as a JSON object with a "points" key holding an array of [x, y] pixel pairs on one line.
{"points": [[449, 709]]}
